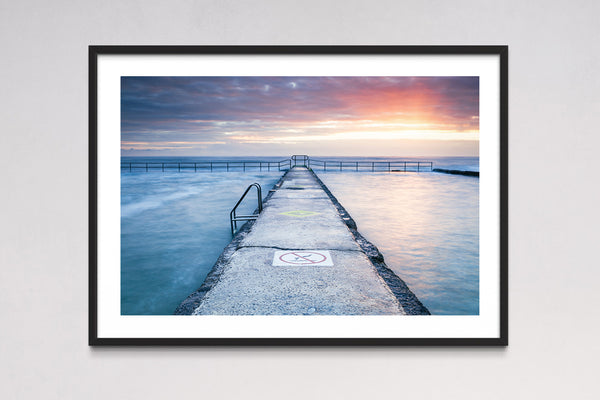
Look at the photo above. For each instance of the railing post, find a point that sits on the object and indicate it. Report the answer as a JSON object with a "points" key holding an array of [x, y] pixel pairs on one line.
{"points": [[259, 195], [389, 167], [418, 166], [129, 167], [163, 167], [404, 166], [232, 220], [146, 167], [340, 165], [357, 166], [179, 167], [227, 166], [372, 167], [211, 166], [244, 164]]}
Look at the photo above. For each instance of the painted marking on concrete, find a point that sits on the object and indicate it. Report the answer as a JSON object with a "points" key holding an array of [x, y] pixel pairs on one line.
{"points": [[300, 213], [300, 196], [302, 257]]}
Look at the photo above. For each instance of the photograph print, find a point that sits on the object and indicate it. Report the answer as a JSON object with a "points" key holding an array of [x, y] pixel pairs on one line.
{"points": [[297, 201]]}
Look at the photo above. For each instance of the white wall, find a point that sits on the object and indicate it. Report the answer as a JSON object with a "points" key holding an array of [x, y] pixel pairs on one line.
{"points": [[554, 118]]}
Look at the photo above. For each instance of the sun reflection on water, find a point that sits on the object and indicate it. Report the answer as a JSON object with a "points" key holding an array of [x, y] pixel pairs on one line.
{"points": [[427, 227]]}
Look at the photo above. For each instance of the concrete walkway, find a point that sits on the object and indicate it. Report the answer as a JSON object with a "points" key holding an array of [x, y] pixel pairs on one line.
{"points": [[298, 258]]}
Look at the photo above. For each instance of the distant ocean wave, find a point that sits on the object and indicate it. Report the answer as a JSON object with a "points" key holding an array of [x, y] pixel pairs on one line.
{"points": [[155, 201]]}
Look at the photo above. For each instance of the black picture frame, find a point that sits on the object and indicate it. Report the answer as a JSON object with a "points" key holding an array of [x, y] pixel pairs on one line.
{"points": [[96, 52]]}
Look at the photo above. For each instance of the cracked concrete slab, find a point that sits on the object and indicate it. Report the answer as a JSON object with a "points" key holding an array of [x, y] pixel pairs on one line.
{"points": [[251, 285]]}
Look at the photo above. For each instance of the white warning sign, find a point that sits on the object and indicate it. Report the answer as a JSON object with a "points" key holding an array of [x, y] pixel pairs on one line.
{"points": [[302, 257]]}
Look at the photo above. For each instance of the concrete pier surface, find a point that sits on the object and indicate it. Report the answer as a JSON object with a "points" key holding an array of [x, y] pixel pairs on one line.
{"points": [[302, 256]]}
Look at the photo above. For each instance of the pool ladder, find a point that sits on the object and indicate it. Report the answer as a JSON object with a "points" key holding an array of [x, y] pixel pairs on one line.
{"points": [[233, 218]]}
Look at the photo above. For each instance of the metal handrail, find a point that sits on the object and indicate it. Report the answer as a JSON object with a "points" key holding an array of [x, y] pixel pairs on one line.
{"points": [[233, 218], [303, 157]]}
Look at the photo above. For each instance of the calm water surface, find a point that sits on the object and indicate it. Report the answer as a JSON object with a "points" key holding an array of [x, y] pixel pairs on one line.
{"points": [[174, 226], [427, 227]]}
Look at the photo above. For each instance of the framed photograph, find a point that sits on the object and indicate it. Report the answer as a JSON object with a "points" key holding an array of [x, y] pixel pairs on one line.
{"points": [[298, 195]]}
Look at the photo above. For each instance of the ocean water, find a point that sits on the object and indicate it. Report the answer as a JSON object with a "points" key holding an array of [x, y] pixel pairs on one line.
{"points": [[426, 225], [174, 225]]}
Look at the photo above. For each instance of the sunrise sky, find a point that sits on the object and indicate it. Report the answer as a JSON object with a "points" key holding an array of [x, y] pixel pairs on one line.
{"points": [[319, 116]]}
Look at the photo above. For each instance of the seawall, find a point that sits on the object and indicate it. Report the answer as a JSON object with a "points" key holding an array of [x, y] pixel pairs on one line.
{"points": [[456, 172]]}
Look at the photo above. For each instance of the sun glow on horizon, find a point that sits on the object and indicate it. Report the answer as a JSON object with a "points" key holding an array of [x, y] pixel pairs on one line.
{"points": [[177, 115]]}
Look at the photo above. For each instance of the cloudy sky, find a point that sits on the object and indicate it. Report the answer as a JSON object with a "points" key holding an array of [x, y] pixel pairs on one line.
{"points": [[280, 116]]}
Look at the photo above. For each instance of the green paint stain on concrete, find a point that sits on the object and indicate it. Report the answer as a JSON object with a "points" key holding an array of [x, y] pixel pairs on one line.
{"points": [[300, 213]]}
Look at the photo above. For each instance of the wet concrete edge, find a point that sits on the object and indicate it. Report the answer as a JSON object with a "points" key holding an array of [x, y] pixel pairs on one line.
{"points": [[193, 301], [408, 300]]}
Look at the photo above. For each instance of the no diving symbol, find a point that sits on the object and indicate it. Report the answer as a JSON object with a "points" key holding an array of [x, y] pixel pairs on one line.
{"points": [[302, 257]]}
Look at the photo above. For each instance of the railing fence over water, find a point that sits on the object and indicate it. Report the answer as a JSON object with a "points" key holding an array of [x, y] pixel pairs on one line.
{"points": [[283, 165], [372, 166], [209, 166]]}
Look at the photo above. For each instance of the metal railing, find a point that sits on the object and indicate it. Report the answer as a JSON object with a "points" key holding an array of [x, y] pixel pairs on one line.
{"points": [[302, 160], [233, 218], [373, 166], [283, 165], [209, 166]]}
